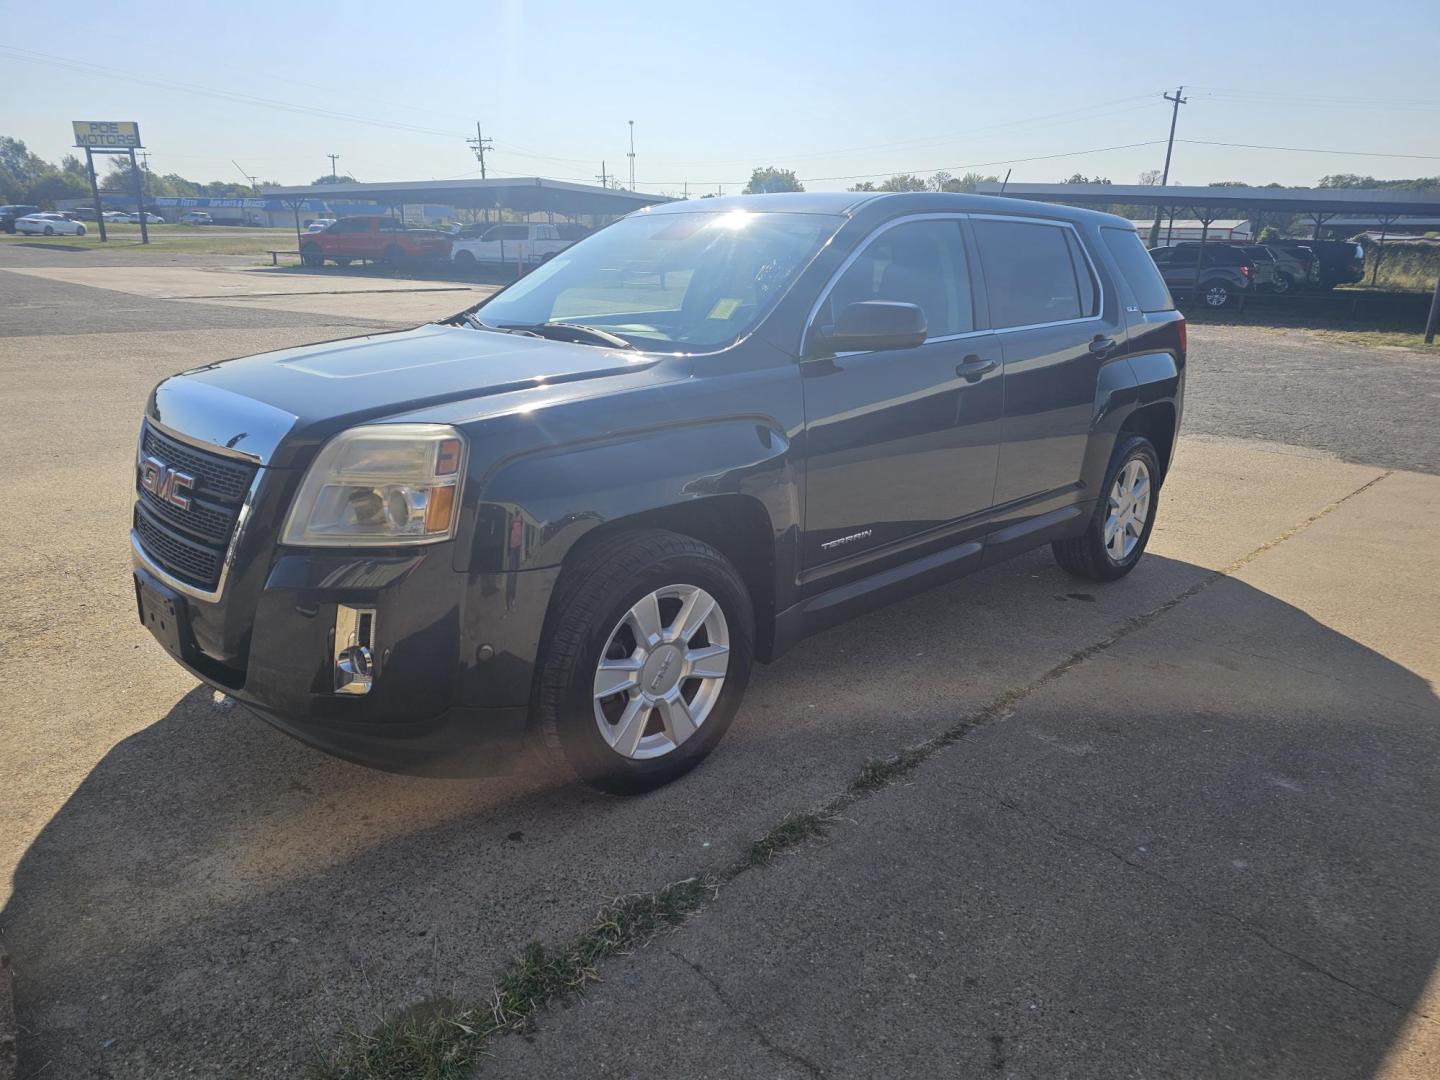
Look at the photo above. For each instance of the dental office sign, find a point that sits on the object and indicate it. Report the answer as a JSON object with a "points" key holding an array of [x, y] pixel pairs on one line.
{"points": [[107, 134]]}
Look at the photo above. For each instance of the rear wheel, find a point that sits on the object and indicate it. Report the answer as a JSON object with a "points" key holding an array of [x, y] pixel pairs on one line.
{"points": [[49, 230], [1216, 294], [80, 230], [1118, 530], [311, 255], [342, 262], [646, 656], [465, 262], [1283, 283]]}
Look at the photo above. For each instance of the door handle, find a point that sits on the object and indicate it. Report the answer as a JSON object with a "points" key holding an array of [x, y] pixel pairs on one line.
{"points": [[972, 367], [1102, 345]]}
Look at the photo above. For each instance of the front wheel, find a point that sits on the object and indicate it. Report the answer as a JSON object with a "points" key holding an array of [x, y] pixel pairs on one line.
{"points": [[49, 230], [393, 257], [1283, 284], [80, 230], [1118, 530], [646, 656]]}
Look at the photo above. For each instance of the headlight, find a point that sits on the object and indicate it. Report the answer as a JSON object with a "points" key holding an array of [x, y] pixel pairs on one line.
{"points": [[381, 485]]}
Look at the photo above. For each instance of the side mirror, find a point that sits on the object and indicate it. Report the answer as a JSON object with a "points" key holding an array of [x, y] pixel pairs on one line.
{"points": [[874, 325]]}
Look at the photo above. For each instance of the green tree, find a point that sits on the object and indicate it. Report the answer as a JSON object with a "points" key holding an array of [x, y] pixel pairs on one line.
{"points": [[770, 179], [1081, 178], [904, 182], [944, 181], [19, 170]]}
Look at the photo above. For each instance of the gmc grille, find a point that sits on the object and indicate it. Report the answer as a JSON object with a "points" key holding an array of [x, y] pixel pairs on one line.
{"points": [[190, 543]]}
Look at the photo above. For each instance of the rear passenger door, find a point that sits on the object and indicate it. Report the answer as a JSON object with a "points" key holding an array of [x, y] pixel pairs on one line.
{"points": [[1055, 329]]}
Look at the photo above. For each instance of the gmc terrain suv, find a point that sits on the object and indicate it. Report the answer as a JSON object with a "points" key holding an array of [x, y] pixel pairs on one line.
{"points": [[580, 510]]}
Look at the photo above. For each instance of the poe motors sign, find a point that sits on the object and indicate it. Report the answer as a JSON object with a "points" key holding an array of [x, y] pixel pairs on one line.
{"points": [[112, 137], [107, 134]]}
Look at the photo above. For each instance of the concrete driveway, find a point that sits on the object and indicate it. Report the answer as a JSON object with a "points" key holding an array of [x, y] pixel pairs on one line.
{"points": [[1190, 828]]}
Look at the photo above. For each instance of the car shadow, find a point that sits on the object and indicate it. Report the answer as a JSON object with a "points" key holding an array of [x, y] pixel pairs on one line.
{"points": [[217, 898]]}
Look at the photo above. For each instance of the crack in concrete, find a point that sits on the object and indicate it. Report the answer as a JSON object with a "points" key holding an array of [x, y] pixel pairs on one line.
{"points": [[792, 1056], [1199, 902]]}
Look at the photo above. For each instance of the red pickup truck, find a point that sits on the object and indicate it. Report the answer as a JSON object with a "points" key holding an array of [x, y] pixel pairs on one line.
{"points": [[375, 239]]}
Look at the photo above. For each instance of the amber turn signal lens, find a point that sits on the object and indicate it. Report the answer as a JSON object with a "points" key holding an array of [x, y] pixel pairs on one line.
{"points": [[439, 508], [447, 458]]}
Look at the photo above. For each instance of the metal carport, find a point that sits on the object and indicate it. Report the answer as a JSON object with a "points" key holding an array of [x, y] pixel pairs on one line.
{"points": [[1209, 203]]}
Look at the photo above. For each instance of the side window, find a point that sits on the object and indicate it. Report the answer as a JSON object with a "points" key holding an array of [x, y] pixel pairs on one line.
{"points": [[1029, 275], [919, 262]]}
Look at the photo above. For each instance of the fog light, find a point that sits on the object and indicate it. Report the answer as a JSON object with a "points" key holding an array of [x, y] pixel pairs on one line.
{"points": [[354, 640]]}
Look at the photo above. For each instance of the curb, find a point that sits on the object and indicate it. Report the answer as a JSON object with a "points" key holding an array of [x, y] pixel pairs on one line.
{"points": [[7, 1021]]}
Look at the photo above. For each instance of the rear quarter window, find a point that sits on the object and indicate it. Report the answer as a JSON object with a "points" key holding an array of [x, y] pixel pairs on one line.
{"points": [[1138, 269]]}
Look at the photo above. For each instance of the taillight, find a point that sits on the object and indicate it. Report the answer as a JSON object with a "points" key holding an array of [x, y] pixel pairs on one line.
{"points": [[1244, 271], [1183, 336]]}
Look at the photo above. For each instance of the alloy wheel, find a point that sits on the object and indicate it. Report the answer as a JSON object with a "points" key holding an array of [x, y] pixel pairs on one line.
{"points": [[661, 671], [1217, 296], [1129, 508]]}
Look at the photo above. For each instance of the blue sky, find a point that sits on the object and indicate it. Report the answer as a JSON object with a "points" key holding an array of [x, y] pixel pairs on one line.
{"points": [[834, 90]]}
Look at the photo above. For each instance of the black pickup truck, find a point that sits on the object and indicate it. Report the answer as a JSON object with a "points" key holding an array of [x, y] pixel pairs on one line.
{"points": [[577, 512]]}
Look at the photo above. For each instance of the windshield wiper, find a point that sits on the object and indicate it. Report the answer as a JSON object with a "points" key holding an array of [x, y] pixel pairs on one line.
{"points": [[469, 319], [568, 329]]}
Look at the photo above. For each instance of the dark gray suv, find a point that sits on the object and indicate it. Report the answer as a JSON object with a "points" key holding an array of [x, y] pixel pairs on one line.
{"points": [[1226, 273], [581, 510]]}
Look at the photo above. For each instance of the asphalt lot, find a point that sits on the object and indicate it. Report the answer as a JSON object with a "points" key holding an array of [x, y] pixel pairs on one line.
{"points": [[1199, 839]]}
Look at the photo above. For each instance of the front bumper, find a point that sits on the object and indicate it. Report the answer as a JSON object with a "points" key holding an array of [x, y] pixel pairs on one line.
{"points": [[454, 655]]}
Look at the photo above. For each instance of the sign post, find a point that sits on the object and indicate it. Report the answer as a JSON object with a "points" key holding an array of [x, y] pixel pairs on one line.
{"points": [[111, 137]]}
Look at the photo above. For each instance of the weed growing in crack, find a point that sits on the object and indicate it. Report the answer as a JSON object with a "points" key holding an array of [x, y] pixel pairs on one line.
{"points": [[441, 1040], [793, 830]]}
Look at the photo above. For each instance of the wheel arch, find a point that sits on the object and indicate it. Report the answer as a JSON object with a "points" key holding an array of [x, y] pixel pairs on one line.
{"points": [[737, 526], [1156, 422]]}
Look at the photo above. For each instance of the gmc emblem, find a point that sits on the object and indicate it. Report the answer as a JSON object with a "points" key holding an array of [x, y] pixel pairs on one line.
{"points": [[166, 484]]}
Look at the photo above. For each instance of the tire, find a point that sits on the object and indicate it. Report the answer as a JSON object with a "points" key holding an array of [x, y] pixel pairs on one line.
{"points": [[465, 262], [311, 255], [620, 742], [1088, 555], [342, 262], [1216, 293], [80, 230], [1283, 284], [49, 230], [393, 257]]}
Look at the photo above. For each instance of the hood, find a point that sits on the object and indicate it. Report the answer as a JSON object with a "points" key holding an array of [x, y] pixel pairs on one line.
{"points": [[274, 405]]}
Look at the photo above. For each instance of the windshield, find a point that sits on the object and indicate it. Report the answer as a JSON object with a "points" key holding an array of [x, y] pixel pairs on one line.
{"points": [[686, 282]]}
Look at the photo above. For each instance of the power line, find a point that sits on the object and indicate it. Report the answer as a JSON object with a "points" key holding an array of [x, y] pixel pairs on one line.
{"points": [[1311, 150]]}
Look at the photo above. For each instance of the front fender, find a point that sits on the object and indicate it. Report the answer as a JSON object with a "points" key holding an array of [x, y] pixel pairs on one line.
{"points": [[534, 507]]}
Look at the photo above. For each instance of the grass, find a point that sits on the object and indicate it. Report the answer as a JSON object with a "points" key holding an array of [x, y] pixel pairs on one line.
{"points": [[1375, 324], [165, 240], [442, 1039], [793, 830]]}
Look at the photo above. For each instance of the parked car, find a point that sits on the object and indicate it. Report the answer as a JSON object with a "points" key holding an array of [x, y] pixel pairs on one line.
{"points": [[117, 216], [1289, 269], [374, 238], [150, 219], [320, 224], [508, 244], [197, 217], [578, 511], [48, 223], [83, 213], [1338, 262], [1227, 272], [11, 212]]}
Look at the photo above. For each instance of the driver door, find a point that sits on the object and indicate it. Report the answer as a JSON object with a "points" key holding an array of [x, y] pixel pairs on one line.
{"points": [[903, 442]]}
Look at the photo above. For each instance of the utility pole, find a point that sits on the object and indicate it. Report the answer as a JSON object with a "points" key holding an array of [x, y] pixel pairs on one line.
{"points": [[632, 155], [479, 144], [334, 176], [1176, 102], [604, 177], [248, 178]]}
